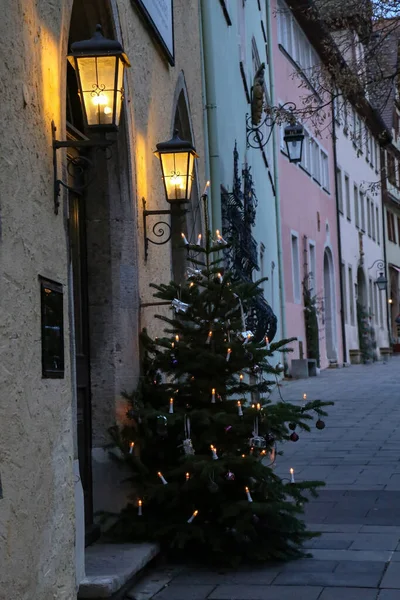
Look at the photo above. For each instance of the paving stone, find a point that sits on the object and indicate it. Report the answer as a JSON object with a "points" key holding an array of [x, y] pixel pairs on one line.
{"points": [[389, 595], [355, 566], [391, 578], [335, 528], [185, 592], [380, 529], [358, 555], [254, 576], [337, 593], [344, 579], [308, 565], [259, 592], [375, 541]]}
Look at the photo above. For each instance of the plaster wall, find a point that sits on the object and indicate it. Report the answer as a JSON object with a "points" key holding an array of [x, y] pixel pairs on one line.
{"points": [[358, 248], [36, 439], [234, 44], [307, 211], [37, 422]]}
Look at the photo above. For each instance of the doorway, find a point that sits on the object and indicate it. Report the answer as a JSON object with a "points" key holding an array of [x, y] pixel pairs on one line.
{"points": [[329, 304]]}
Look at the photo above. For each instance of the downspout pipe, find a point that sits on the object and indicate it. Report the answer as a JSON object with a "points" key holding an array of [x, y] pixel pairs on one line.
{"points": [[335, 163], [209, 52], [282, 298], [383, 229]]}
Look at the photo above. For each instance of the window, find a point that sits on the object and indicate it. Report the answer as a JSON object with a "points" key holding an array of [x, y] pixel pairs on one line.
{"points": [[376, 156], [368, 145], [345, 117], [368, 216], [51, 300], [315, 158], [378, 235], [306, 157], [351, 296], [362, 211], [391, 168], [356, 208], [347, 192], [390, 227], [371, 297], [285, 28], [380, 308], [373, 220], [343, 275], [376, 304], [339, 189], [313, 271], [295, 268], [324, 171], [371, 150]]}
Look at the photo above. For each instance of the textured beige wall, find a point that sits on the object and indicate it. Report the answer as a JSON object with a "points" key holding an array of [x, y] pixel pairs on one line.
{"points": [[37, 510], [36, 415]]}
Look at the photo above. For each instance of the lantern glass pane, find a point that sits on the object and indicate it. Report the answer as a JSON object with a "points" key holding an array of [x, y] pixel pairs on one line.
{"points": [[119, 90], [190, 173], [97, 75], [175, 166], [294, 148]]}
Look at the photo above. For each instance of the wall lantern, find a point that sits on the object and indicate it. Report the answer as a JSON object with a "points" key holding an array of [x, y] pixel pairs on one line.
{"points": [[293, 138], [99, 66], [177, 168], [177, 158], [381, 282]]}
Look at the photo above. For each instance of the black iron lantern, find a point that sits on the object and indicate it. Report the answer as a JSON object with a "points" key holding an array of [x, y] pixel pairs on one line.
{"points": [[294, 137], [177, 167], [381, 282], [99, 65]]}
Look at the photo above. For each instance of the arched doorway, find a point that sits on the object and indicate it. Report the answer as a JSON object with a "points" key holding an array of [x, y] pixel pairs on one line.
{"points": [[329, 305]]}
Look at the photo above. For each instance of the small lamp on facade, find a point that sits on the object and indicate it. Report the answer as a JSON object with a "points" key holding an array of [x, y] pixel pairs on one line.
{"points": [[177, 168], [381, 282], [294, 138], [99, 65]]}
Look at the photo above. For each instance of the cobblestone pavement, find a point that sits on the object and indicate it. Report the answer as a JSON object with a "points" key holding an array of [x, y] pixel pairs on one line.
{"points": [[357, 556]]}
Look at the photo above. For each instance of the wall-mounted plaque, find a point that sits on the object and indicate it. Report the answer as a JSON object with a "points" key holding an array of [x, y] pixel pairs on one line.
{"points": [[159, 16], [51, 299]]}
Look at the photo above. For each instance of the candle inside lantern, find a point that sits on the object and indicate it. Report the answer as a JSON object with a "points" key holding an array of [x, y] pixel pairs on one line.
{"points": [[163, 480], [139, 508], [240, 411], [213, 396], [171, 406], [249, 498], [194, 515], [184, 239], [131, 447], [292, 475], [214, 452]]}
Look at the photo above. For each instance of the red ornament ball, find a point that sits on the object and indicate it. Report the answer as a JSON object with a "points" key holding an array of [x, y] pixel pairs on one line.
{"points": [[320, 424], [294, 437]]}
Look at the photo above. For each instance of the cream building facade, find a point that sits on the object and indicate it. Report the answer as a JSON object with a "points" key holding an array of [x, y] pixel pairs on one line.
{"points": [[84, 266]]}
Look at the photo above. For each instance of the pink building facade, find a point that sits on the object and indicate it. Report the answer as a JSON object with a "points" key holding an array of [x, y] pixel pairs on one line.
{"points": [[307, 205]]}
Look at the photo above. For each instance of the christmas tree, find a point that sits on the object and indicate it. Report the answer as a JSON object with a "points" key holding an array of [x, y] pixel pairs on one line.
{"points": [[202, 434]]}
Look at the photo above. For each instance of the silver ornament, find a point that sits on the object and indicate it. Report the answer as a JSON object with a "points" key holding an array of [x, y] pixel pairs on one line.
{"points": [[179, 306], [188, 446]]}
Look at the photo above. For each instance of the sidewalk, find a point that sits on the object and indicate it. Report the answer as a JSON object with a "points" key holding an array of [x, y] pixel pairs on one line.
{"points": [[358, 512]]}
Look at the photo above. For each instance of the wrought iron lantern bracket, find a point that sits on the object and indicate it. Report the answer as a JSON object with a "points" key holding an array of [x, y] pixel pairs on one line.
{"points": [[80, 163], [257, 136], [161, 229]]}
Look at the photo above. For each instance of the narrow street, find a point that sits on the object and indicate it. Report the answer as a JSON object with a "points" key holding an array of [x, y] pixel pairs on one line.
{"points": [[357, 455]]}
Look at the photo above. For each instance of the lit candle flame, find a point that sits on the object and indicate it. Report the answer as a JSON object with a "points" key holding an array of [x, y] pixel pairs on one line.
{"points": [[131, 446]]}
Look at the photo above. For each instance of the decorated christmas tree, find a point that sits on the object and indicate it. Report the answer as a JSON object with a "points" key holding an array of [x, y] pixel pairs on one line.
{"points": [[202, 434]]}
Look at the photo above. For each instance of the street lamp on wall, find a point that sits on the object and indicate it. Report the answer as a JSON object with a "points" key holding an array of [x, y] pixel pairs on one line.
{"points": [[293, 138], [381, 279], [177, 158], [99, 65]]}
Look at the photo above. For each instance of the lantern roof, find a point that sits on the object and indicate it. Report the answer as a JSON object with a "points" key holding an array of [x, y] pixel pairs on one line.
{"points": [[176, 144], [98, 45]]}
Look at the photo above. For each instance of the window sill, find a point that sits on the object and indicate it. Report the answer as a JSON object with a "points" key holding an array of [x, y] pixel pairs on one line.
{"points": [[349, 220], [113, 567], [305, 170], [326, 190]]}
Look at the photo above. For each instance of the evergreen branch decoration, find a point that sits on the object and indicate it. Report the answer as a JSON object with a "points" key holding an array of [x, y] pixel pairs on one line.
{"points": [[202, 433]]}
